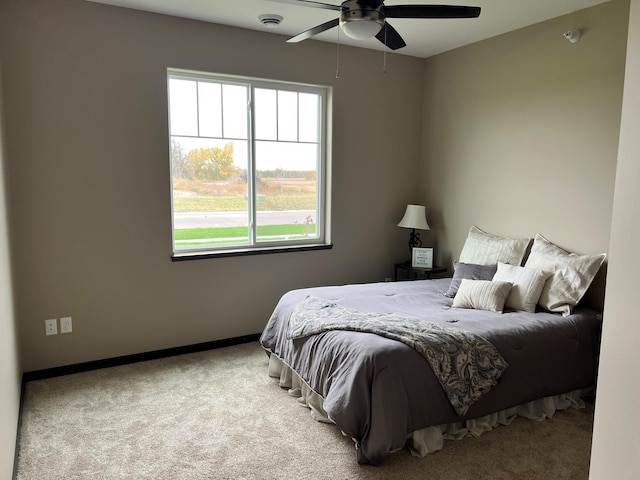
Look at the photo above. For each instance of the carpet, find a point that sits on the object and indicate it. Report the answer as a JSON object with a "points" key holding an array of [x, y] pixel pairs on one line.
{"points": [[217, 415]]}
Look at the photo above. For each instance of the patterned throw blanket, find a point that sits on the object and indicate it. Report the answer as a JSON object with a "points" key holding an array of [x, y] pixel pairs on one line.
{"points": [[466, 365]]}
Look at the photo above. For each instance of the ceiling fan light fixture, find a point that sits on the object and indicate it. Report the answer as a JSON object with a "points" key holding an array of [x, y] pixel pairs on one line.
{"points": [[361, 29]]}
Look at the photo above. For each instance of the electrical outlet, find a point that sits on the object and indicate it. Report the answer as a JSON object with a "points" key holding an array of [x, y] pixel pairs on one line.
{"points": [[65, 325], [51, 326]]}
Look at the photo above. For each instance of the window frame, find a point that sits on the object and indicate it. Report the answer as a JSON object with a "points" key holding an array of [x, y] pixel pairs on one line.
{"points": [[323, 181]]}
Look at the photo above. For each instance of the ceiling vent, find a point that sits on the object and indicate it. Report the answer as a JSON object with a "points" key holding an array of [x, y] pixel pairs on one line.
{"points": [[270, 20]]}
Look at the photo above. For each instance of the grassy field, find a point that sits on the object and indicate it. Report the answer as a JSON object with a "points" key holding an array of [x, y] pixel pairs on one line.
{"points": [[272, 194], [222, 203]]}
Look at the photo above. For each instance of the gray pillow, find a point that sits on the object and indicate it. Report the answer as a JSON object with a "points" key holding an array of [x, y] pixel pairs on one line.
{"points": [[470, 271]]}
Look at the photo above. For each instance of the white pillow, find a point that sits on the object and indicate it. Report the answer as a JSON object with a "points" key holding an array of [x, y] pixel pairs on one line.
{"points": [[571, 274], [527, 285], [482, 295], [482, 248]]}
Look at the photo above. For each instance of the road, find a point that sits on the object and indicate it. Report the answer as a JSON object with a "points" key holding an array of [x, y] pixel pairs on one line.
{"points": [[234, 219]]}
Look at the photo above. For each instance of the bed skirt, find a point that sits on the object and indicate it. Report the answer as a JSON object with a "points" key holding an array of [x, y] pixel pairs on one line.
{"points": [[431, 439]]}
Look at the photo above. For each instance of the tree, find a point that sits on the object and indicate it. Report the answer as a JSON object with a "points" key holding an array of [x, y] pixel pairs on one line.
{"points": [[178, 160], [209, 164]]}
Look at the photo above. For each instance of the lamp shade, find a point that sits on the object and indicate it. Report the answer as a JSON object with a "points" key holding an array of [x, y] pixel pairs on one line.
{"points": [[414, 217]]}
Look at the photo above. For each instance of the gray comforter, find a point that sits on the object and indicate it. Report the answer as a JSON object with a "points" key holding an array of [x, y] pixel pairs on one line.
{"points": [[466, 365], [378, 390]]}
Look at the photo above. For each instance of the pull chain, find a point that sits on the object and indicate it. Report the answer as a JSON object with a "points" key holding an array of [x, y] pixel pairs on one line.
{"points": [[384, 54], [338, 56]]}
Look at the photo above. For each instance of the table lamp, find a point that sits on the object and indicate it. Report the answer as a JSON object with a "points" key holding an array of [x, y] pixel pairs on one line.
{"points": [[415, 219]]}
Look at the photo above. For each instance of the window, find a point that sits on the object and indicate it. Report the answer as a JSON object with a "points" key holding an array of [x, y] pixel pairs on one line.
{"points": [[248, 164]]}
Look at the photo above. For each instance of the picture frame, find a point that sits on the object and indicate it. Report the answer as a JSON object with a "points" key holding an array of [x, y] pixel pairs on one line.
{"points": [[422, 257]]}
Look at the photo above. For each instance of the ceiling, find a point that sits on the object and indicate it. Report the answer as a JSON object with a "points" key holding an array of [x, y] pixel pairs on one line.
{"points": [[424, 37]]}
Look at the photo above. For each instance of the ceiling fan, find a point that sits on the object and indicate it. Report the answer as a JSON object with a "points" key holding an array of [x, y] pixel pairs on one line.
{"points": [[362, 19]]}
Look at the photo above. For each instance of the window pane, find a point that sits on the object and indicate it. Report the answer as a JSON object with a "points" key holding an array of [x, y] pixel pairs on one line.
{"points": [[286, 191], [309, 118], [265, 114], [210, 109], [234, 110], [287, 116], [209, 192], [183, 107]]}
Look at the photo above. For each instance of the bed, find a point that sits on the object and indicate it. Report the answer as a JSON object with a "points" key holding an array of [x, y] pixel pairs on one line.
{"points": [[504, 354]]}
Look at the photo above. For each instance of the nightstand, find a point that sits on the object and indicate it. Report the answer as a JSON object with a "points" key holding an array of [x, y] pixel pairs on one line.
{"points": [[414, 273]]}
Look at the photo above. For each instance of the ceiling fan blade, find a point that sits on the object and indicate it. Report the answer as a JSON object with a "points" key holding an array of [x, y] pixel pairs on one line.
{"points": [[309, 3], [431, 11], [390, 37], [370, 3], [314, 31]]}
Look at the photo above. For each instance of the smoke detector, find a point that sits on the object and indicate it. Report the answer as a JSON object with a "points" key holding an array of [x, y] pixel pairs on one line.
{"points": [[573, 35], [270, 20]]}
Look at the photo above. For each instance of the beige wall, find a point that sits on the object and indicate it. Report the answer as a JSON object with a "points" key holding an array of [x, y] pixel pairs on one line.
{"points": [[10, 371], [616, 441], [85, 156], [88, 165], [520, 133]]}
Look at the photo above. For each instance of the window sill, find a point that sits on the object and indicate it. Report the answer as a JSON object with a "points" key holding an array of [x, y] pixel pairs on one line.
{"points": [[180, 257]]}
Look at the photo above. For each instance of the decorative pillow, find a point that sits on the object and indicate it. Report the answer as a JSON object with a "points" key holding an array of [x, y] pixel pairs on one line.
{"points": [[482, 295], [570, 278], [483, 248], [471, 272], [527, 285]]}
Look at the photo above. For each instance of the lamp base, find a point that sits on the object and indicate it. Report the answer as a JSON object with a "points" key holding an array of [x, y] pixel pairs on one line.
{"points": [[414, 241]]}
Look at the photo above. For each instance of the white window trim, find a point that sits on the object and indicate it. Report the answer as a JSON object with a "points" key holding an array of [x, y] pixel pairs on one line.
{"points": [[323, 240]]}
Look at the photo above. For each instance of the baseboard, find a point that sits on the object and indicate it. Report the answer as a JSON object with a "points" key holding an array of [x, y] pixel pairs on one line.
{"points": [[138, 357]]}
